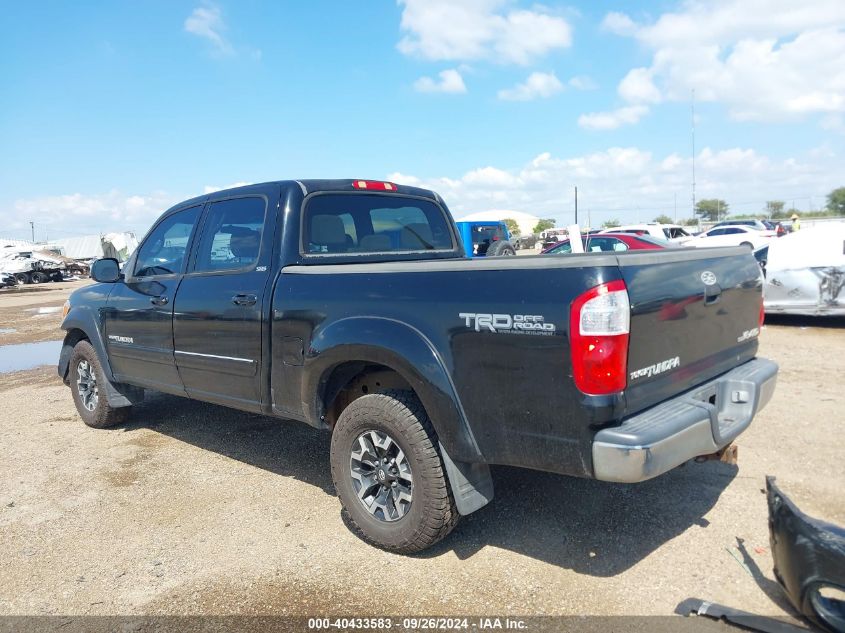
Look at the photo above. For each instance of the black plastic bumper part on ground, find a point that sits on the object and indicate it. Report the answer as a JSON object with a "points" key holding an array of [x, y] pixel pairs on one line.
{"points": [[809, 560]]}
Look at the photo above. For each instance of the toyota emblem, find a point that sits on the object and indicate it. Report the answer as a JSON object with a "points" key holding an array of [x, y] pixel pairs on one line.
{"points": [[708, 278]]}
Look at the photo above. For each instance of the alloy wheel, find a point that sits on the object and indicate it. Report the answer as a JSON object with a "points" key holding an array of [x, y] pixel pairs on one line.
{"points": [[86, 385], [381, 476]]}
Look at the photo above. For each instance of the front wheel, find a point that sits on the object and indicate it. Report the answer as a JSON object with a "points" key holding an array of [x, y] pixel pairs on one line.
{"points": [[389, 475], [87, 385]]}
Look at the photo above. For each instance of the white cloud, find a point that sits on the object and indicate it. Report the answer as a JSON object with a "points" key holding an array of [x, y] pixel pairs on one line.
{"points": [[78, 213], [618, 23], [582, 82], [212, 188], [444, 30], [632, 184], [207, 22], [638, 87], [612, 119], [769, 60], [537, 86], [450, 82]]}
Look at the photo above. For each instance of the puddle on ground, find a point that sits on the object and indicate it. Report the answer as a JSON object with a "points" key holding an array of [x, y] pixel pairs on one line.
{"points": [[7, 330], [45, 310], [29, 355]]}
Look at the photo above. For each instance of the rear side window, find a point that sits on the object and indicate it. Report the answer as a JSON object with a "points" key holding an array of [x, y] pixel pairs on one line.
{"points": [[232, 235], [605, 244], [335, 224], [163, 252]]}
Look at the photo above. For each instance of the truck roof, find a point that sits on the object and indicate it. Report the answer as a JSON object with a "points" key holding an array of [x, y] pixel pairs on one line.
{"points": [[311, 185]]}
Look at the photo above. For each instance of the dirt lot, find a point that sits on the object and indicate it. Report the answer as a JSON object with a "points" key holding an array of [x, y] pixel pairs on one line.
{"points": [[193, 508]]}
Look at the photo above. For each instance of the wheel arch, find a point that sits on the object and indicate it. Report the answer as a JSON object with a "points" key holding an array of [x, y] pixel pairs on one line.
{"points": [[350, 349], [81, 325]]}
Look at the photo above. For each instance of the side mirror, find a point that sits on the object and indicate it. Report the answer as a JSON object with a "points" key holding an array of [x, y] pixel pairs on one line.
{"points": [[105, 271]]}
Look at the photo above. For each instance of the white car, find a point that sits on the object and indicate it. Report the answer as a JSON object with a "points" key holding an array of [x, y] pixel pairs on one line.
{"points": [[731, 236], [669, 232], [805, 271]]}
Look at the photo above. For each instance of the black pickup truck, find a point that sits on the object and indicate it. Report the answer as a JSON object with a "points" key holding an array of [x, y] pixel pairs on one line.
{"points": [[348, 305]]}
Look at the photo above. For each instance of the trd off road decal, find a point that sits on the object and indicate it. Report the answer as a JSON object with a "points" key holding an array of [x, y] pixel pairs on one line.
{"points": [[657, 368], [508, 323]]}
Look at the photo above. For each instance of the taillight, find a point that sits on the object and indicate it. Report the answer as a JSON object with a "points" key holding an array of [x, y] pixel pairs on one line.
{"points": [[374, 185], [599, 323], [762, 311]]}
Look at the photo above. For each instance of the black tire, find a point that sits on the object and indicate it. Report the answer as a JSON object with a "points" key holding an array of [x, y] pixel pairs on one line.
{"points": [[39, 278], [23, 278], [500, 249], [432, 513], [94, 410]]}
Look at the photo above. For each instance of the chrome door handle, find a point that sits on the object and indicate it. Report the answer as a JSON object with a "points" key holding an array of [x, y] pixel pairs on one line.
{"points": [[244, 300], [159, 301]]}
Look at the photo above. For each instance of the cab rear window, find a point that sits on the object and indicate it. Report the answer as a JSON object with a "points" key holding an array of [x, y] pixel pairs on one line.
{"points": [[338, 224]]}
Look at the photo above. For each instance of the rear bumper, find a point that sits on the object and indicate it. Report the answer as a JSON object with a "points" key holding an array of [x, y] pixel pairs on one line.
{"points": [[698, 422]]}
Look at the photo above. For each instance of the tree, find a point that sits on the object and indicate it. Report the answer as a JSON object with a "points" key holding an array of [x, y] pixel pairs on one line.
{"points": [[711, 209], [611, 223], [774, 207], [663, 219], [690, 222], [836, 201], [543, 224], [784, 215], [513, 227]]}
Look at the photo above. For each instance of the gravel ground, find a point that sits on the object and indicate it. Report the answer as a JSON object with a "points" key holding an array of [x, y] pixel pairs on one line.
{"points": [[197, 509]]}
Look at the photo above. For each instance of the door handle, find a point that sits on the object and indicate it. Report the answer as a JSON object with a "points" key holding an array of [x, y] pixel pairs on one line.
{"points": [[158, 301], [244, 300]]}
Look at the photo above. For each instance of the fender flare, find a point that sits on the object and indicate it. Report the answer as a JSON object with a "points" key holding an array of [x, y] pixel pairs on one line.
{"points": [[409, 352], [82, 319]]}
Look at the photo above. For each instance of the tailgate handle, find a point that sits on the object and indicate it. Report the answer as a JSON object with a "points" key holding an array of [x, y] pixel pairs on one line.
{"points": [[712, 294]]}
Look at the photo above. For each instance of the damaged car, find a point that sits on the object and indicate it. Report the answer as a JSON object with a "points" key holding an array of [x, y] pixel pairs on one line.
{"points": [[805, 272]]}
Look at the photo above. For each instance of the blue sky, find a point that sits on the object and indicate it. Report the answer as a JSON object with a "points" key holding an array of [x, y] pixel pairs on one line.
{"points": [[111, 111]]}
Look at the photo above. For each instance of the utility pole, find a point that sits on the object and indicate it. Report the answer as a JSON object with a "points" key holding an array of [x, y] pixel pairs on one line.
{"points": [[676, 208], [576, 204], [32, 226], [692, 117]]}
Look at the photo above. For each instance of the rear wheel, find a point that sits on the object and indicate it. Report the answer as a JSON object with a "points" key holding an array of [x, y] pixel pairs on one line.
{"points": [[748, 244], [86, 384], [389, 475], [39, 278], [23, 278]]}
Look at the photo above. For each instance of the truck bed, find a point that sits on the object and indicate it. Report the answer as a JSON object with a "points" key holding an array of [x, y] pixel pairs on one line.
{"points": [[514, 384]]}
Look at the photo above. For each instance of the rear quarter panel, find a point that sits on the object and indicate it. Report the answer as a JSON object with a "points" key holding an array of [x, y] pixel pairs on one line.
{"points": [[515, 387]]}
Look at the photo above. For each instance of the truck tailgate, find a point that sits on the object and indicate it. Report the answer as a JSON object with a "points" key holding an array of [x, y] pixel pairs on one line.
{"points": [[693, 317]]}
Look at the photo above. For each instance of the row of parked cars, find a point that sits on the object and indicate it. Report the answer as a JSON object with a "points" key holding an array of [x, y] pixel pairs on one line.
{"points": [[804, 271]]}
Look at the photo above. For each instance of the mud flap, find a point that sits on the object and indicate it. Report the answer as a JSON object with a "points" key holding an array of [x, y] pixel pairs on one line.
{"points": [[471, 484]]}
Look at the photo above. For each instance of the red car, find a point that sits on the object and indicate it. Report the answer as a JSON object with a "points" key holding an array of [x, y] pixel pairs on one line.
{"points": [[609, 242]]}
